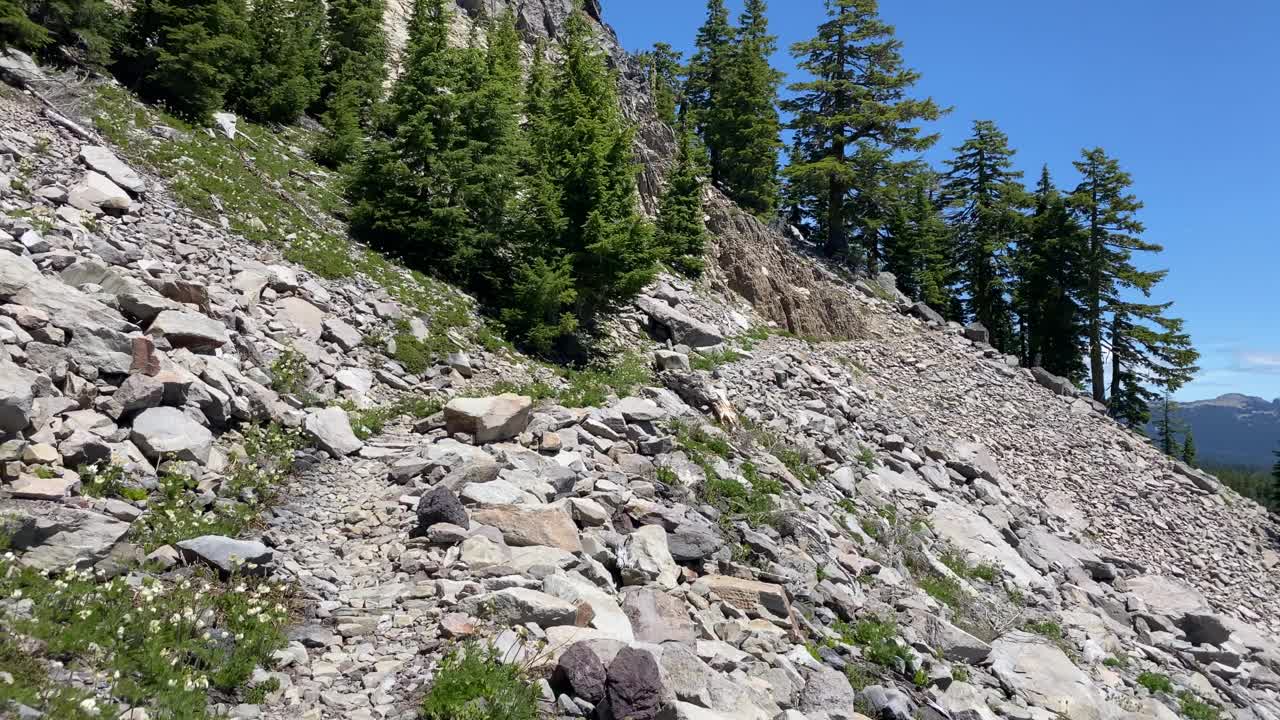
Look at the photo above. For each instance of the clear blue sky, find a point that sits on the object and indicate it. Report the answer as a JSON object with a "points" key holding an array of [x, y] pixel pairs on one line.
{"points": [[1186, 94]]}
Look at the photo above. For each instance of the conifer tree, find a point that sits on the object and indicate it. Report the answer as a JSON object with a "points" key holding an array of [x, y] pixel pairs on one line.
{"points": [[1147, 348], [1275, 470], [186, 53], [1049, 279], [984, 197], [283, 78], [439, 180], [584, 229], [1167, 426], [916, 252], [18, 30], [748, 108], [354, 72], [664, 67], [857, 96], [681, 233], [1189, 449], [85, 32], [709, 70]]}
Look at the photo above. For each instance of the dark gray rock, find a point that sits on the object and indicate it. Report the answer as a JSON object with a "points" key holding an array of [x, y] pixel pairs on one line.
{"points": [[227, 554], [580, 673], [441, 506], [1204, 629], [889, 703], [1059, 385], [926, 313], [977, 332], [634, 686], [692, 544]]}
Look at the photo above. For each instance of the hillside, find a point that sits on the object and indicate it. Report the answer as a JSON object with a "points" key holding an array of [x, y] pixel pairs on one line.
{"points": [[254, 469], [1234, 429]]}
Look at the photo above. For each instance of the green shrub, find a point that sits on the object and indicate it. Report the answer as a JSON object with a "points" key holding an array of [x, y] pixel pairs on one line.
{"points": [[592, 387], [713, 359], [1046, 628], [945, 590], [472, 683], [798, 463], [1196, 709], [1156, 682], [107, 481], [289, 372], [878, 640]]}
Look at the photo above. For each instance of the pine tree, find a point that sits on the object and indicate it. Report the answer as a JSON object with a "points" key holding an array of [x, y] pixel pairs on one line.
{"points": [[18, 30], [1167, 426], [84, 32], [354, 73], [438, 183], [748, 106], [284, 77], [1275, 471], [186, 53], [709, 70], [857, 96], [916, 252], [663, 65], [1049, 276], [681, 233], [984, 195], [1147, 348], [581, 199], [1189, 449]]}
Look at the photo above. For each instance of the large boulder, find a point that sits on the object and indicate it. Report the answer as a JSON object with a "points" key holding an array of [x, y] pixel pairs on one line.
{"points": [[331, 429], [78, 538], [17, 397], [517, 606], [606, 615], [644, 558], [580, 673], [104, 161], [757, 599], [1059, 385], [169, 433], [657, 617], [96, 192], [191, 330], [1166, 596], [828, 690], [441, 506], [524, 526], [226, 554], [1040, 673], [634, 687], [488, 419], [679, 327]]}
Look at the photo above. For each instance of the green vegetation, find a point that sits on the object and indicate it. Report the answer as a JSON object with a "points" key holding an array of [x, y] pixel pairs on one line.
{"points": [[473, 683], [1196, 709], [107, 481], [159, 645], [370, 422], [681, 233], [878, 640], [960, 673], [956, 561], [713, 359], [31, 686], [289, 372], [1155, 682], [945, 590]]}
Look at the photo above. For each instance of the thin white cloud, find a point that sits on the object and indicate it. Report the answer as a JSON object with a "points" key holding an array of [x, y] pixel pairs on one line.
{"points": [[1258, 362]]}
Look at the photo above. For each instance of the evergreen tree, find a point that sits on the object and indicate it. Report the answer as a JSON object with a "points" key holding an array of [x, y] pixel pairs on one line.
{"points": [[748, 107], [1275, 471], [916, 252], [1049, 280], [984, 195], [1189, 449], [709, 70], [85, 32], [584, 232], [1147, 348], [354, 72], [186, 54], [1167, 426], [283, 79], [438, 183], [18, 30], [681, 233], [663, 65], [857, 96]]}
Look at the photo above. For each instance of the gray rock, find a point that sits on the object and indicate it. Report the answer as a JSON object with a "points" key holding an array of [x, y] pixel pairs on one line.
{"points": [[1059, 385], [1040, 673], [104, 161], [84, 448], [79, 538], [34, 487], [580, 673], [977, 332], [692, 544], [517, 606], [657, 617], [671, 360], [165, 432], [96, 192], [441, 506], [828, 690], [227, 554], [926, 313], [634, 687], [345, 336], [1204, 629], [889, 703], [191, 330], [139, 392], [488, 419], [17, 397], [644, 558], [678, 326], [331, 429]]}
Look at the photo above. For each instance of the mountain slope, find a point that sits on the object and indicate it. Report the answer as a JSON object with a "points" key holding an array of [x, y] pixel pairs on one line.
{"points": [[1234, 429]]}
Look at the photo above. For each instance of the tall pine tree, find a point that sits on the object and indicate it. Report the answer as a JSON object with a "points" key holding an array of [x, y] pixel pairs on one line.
{"points": [[985, 197], [709, 70], [84, 32], [856, 95], [748, 108], [284, 76], [354, 72], [916, 250], [663, 65], [186, 54], [681, 233], [1147, 348], [1048, 267], [1167, 426], [17, 28], [1189, 449]]}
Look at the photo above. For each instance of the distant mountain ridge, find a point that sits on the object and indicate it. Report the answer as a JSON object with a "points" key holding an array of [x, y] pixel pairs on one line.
{"points": [[1233, 429]]}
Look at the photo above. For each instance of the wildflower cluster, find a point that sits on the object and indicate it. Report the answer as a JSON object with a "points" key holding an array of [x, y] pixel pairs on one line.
{"points": [[154, 644]]}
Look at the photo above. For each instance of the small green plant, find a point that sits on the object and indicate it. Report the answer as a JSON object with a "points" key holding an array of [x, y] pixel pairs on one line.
{"points": [[957, 563], [753, 501], [28, 683], [711, 360], [417, 355], [867, 457], [667, 476], [920, 679], [1045, 628], [1196, 709], [798, 463], [289, 372], [257, 694], [44, 472], [370, 422], [878, 640], [960, 673], [107, 481], [945, 590], [472, 683], [1116, 662], [591, 387], [1156, 683], [536, 389], [859, 679], [813, 651], [700, 442]]}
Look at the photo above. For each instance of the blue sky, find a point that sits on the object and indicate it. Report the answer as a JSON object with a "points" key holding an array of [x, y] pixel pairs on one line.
{"points": [[1184, 93]]}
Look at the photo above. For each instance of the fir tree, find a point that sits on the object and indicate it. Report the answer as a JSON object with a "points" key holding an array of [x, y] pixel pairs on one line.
{"points": [[1167, 426], [354, 72], [1049, 280], [857, 95], [1275, 472], [85, 32], [709, 70], [984, 195], [283, 79], [748, 108], [1147, 348], [1189, 449], [438, 183], [186, 53], [681, 233], [18, 30], [581, 198], [916, 252], [663, 66]]}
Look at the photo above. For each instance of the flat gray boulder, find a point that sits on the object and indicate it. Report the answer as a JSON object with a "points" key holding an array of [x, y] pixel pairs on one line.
{"points": [[517, 606], [17, 397], [488, 419], [80, 538], [166, 432], [226, 554], [104, 161], [1041, 674], [96, 192], [682, 329], [191, 330], [331, 429]]}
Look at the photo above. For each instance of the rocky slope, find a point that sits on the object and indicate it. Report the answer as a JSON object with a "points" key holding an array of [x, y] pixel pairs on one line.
{"points": [[768, 524]]}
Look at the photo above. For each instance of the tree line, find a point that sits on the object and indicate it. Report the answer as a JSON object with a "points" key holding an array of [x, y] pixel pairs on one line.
{"points": [[1050, 272]]}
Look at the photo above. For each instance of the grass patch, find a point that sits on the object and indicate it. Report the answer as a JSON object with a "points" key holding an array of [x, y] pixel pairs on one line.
{"points": [[699, 442], [753, 501], [709, 361], [289, 372], [591, 387], [956, 561], [798, 463], [1116, 662], [1156, 683], [154, 644], [1196, 709], [945, 590], [878, 640], [473, 684], [107, 481], [370, 422]]}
